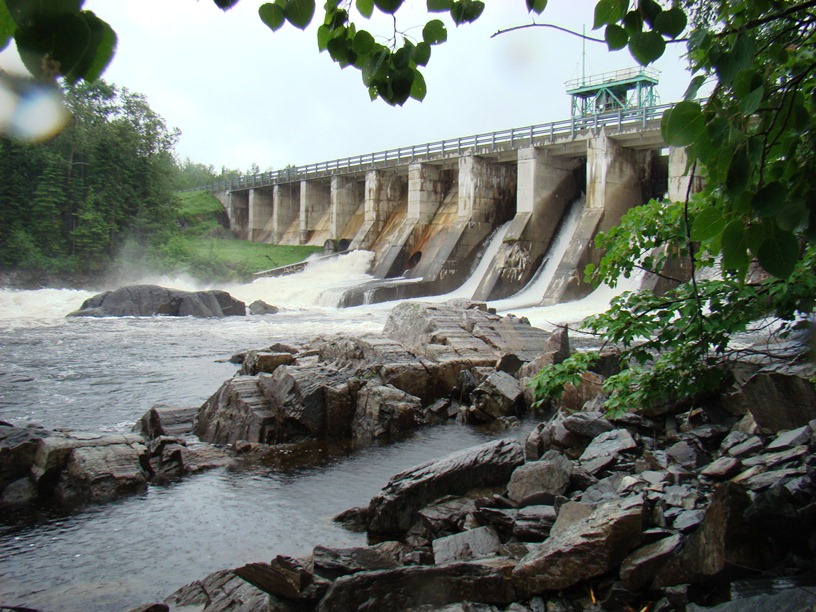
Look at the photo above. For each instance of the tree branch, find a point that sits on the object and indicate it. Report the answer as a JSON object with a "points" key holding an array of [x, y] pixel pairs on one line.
{"points": [[549, 25]]}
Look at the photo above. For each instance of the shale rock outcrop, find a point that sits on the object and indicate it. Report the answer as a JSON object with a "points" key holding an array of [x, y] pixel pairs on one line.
{"points": [[432, 362], [150, 300]]}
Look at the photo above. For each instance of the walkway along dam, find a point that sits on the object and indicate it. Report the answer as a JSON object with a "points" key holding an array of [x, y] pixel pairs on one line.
{"points": [[426, 211]]}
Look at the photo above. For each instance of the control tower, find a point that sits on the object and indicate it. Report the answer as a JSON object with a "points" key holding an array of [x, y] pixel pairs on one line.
{"points": [[613, 91]]}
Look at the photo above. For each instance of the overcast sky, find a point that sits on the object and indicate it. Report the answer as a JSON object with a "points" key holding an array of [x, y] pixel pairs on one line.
{"points": [[242, 94]]}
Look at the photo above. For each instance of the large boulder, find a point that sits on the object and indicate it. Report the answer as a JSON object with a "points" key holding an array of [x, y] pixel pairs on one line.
{"points": [[395, 508], [150, 300]]}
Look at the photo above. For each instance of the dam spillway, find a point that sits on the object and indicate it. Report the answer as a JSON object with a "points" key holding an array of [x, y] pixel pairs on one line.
{"points": [[425, 211]]}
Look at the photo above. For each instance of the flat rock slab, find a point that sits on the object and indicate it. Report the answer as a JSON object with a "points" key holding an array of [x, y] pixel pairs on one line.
{"points": [[589, 547], [395, 509], [467, 545], [413, 586]]}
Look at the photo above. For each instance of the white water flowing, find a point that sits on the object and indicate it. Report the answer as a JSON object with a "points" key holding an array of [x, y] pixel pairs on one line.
{"points": [[535, 290]]}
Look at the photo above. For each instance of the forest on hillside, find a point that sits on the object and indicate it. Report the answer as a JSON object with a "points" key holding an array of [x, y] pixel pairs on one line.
{"points": [[106, 182]]}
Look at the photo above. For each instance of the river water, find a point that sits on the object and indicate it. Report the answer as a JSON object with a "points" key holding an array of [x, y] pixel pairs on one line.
{"points": [[103, 374]]}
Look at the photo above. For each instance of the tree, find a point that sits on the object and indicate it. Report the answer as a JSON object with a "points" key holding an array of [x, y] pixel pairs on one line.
{"points": [[753, 138]]}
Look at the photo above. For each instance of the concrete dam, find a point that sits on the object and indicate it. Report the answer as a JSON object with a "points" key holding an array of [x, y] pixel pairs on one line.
{"points": [[428, 211]]}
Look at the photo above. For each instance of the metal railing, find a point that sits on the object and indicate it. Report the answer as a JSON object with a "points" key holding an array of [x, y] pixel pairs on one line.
{"points": [[541, 134], [625, 74]]}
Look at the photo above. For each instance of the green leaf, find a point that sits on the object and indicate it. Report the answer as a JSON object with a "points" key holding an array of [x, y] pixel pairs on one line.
{"points": [[536, 6], [694, 87], [466, 11], [708, 224], [401, 82], [388, 6], [7, 26], [682, 124], [607, 12], [272, 15], [299, 12], [779, 254], [434, 32], [646, 47], [418, 87], [366, 8], [616, 37], [422, 54], [324, 35], [439, 6], [739, 171], [68, 40], [769, 200], [671, 23], [99, 52], [363, 43], [734, 247], [374, 69]]}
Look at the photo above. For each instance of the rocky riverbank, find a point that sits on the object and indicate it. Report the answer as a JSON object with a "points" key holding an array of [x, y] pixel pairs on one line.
{"points": [[689, 505]]}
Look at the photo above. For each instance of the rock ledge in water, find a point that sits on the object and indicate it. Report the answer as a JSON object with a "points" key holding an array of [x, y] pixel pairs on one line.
{"points": [[151, 300]]}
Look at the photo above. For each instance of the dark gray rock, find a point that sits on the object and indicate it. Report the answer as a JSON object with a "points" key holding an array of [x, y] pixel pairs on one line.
{"points": [[396, 507], [588, 424], [285, 577], [151, 300], [639, 568], [788, 439], [587, 548], [499, 395], [222, 590], [550, 474], [256, 362], [472, 544], [765, 392], [609, 444], [162, 420], [534, 523], [259, 307], [331, 563], [410, 587], [383, 412]]}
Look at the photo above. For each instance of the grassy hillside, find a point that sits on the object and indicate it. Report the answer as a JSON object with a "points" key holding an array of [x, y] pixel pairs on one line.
{"points": [[206, 249]]}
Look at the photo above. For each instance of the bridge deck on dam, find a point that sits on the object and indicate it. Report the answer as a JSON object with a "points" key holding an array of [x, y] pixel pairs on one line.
{"points": [[634, 128]]}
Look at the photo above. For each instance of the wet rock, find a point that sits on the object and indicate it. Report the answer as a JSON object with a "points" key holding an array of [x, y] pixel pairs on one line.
{"points": [[725, 539], [237, 411], [101, 473], [414, 586], [221, 590], [499, 395], [150, 300], [172, 457], [722, 468], [765, 392], [587, 548], [331, 563], [552, 434], [259, 307], [395, 508], [286, 578], [534, 523], [256, 362], [448, 514], [588, 424], [18, 449], [549, 475], [162, 420], [641, 566], [467, 545], [608, 444], [384, 412]]}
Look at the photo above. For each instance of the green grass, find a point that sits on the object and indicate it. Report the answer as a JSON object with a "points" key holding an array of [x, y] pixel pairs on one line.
{"points": [[207, 250]]}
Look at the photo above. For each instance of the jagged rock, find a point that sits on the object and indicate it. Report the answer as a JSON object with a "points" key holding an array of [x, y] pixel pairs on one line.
{"points": [[749, 446], [549, 475], [608, 444], [725, 539], [384, 411], [222, 590], [256, 362], [642, 565], [18, 449], [587, 548], [575, 397], [150, 300], [686, 454], [534, 523], [499, 395], [286, 578], [467, 545], [331, 563], [161, 420], [765, 392], [447, 515], [410, 587], [569, 514], [101, 473], [788, 439], [395, 508], [556, 350], [442, 331], [259, 307], [172, 457], [587, 424], [552, 434], [722, 468], [237, 411]]}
